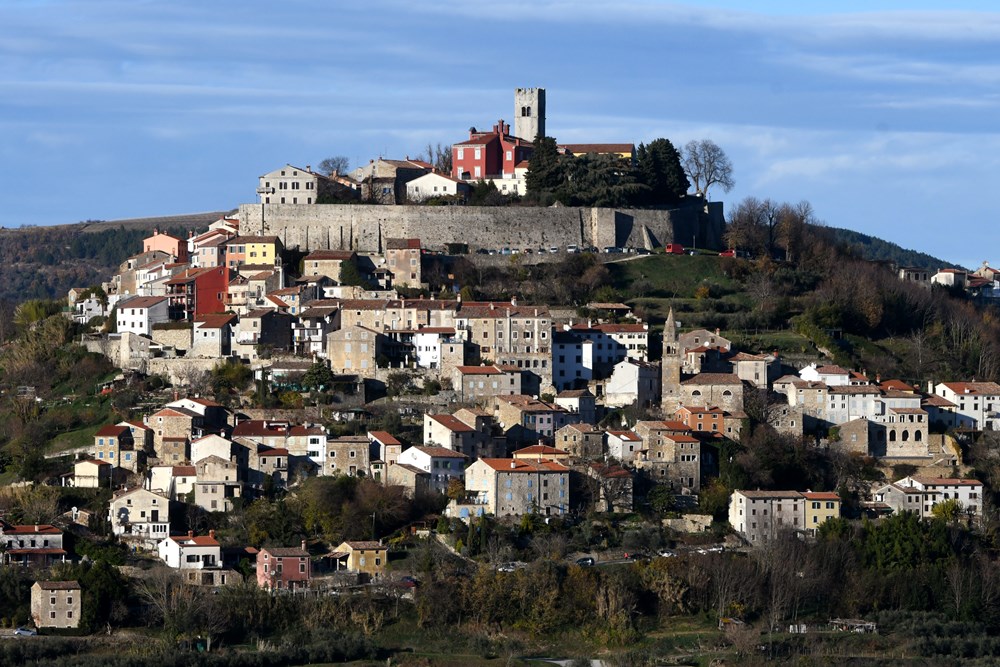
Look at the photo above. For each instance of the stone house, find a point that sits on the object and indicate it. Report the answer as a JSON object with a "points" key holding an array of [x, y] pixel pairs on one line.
{"points": [[723, 390], [402, 257], [672, 458], [92, 474], [347, 455], [328, 263], [31, 545], [580, 440], [218, 483], [56, 604], [112, 443], [514, 487], [478, 383], [174, 482], [632, 382], [354, 349], [415, 482], [212, 336]]}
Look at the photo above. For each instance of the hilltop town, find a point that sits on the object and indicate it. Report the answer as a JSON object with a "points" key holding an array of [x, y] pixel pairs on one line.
{"points": [[312, 409]]}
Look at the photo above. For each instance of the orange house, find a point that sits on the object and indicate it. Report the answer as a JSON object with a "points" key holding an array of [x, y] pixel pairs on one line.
{"points": [[703, 420], [166, 243]]}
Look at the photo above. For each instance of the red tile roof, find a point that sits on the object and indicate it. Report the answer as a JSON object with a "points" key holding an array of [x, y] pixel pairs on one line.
{"points": [[440, 452], [479, 370], [384, 437], [524, 465], [112, 431], [215, 320], [452, 423]]}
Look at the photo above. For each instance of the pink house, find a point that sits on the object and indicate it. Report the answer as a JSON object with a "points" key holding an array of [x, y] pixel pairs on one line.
{"points": [[283, 568], [165, 242]]}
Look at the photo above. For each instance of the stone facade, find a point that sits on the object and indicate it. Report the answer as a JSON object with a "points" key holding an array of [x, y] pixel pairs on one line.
{"points": [[365, 228]]}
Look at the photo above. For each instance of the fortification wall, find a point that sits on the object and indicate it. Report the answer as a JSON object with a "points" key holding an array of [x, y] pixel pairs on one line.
{"points": [[364, 228]]}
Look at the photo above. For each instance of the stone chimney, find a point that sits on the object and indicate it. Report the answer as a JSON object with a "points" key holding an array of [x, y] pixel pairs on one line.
{"points": [[211, 533], [190, 534], [513, 464], [303, 545]]}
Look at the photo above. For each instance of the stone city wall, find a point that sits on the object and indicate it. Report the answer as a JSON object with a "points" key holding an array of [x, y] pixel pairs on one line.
{"points": [[366, 227]]}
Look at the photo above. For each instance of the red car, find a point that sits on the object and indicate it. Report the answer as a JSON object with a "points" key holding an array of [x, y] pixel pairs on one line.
{"points": [[674, 249]]}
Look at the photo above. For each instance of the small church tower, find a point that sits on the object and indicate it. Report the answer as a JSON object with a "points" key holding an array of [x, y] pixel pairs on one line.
{"points": [[529, 113], [671, 368]]}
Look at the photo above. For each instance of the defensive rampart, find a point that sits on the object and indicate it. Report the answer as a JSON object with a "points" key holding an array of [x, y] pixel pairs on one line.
{"points": [[366, 227]]}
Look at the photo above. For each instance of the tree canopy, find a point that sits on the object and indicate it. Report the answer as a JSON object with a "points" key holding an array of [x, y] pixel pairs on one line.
{"points": [[706, 165]]}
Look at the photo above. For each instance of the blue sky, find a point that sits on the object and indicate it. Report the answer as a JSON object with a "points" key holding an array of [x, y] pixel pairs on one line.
{"points": [[884, 119]]}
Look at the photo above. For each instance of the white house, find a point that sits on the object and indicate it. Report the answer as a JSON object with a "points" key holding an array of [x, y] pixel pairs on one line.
{"points": [[977, 404], [175, 482], [434, 185], [632, 382], [186, 552], [623, 445], [139, 314], [140, 515], [968, 492], [443, 464], [427, 344]]}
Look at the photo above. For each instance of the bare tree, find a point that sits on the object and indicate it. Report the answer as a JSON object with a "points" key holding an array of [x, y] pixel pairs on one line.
{"points": [[706, 165], [338, 164]]}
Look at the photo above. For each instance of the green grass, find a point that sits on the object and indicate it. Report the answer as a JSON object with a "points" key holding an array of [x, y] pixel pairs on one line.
{"points": [[671, 276], [787, 342], [81, 437]]}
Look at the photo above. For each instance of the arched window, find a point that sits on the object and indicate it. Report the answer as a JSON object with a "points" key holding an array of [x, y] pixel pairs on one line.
{"points": [[892, 436], [727, 393], [696, 393], [917, 436], [906, 436]]}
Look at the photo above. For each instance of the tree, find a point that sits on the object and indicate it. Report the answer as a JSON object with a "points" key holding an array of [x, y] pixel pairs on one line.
{"points": [[438, 155], [350, 275], [598, 180], [659, 168], [319, 376], [706, 165], [338, 164], [546, 168]]}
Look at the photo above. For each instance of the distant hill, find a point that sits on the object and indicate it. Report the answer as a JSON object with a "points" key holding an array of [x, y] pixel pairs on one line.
{"points": [[876, 250], [45, 262]]}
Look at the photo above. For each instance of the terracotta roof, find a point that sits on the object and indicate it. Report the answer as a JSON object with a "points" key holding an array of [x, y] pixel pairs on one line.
{"points": [[275, 451], [701, 411], [384, 437], [574, 393], [524, 465], [197, 540], [301, 429], [541, 449], [485, 310], [854, 389], [112, 430], [821, 495], [936, 401], [174, 412], [610, 471], [236, 240], [974, 388], [479, 370], [625, 435], [402, 244], [94, 461], [259, 427], [452, 423], [39, 529], [183, 471], [832, 370], [908, 411], [743, 356]]}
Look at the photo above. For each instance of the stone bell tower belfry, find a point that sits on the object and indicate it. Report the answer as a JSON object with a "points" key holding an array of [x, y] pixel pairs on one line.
{"points": [[529, 113], [670, 366]]}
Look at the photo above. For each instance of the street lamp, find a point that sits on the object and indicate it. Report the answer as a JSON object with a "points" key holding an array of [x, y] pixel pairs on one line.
{"points": [[262, 192]]}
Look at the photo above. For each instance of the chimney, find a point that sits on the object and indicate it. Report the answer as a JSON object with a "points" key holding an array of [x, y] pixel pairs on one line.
{"points": [[718, 331], [513, 464], [303, 545], [211, 533], [309, 168], [513, 300], [190, 534], [36, 528]]}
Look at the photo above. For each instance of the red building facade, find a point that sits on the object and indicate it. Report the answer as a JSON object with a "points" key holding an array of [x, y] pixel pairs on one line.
{"points": [[492, 154], [198, 292]]}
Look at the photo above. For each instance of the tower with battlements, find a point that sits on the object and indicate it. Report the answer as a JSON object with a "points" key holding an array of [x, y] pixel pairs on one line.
{"points": [[529, 113]]}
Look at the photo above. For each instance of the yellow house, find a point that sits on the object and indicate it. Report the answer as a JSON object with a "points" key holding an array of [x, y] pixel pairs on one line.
{"points": [[624, 151], [362, 557], [820, 506], [253, 250]]}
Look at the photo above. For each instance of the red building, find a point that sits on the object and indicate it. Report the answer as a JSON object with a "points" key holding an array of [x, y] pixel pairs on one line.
{"points": [[492, 154], [197, 292], [283, 568]]}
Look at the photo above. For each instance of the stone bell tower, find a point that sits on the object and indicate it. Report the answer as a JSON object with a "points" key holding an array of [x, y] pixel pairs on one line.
{"points": [[670, 366], [529, 113]]}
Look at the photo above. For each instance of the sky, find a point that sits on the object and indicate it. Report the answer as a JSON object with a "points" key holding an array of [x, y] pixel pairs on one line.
{"points": [[884, 119]]}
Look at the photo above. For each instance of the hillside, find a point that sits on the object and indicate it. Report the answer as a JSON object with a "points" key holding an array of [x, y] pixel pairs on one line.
{"points": [[45, 262], [875, 249]]}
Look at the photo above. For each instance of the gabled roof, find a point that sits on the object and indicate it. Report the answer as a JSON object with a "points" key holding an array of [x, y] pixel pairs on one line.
{"points": [[540, 450], [479, 370], [40, 529], [439, 452], [285, 552], [335, 255], [832, 370], [452, 423], [525, 465], [402, 244], [945, 481], [112, 431], [974, 388], [58, 585], [214, 320], [713, 378], [821, 495], [141, 302], [368, 545], [195, 540], [384, 437]]}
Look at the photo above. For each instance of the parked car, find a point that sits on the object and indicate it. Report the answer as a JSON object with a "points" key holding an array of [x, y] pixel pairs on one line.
{"points": [[572, 248], [482, 251], [24, 632], [554, 249], [586, 561], [674, 249], [666, 553], [728, 253]]}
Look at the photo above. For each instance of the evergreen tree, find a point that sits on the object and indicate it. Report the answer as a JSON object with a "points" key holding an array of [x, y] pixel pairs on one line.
{"points": [[546, 170], [658, 166]]}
